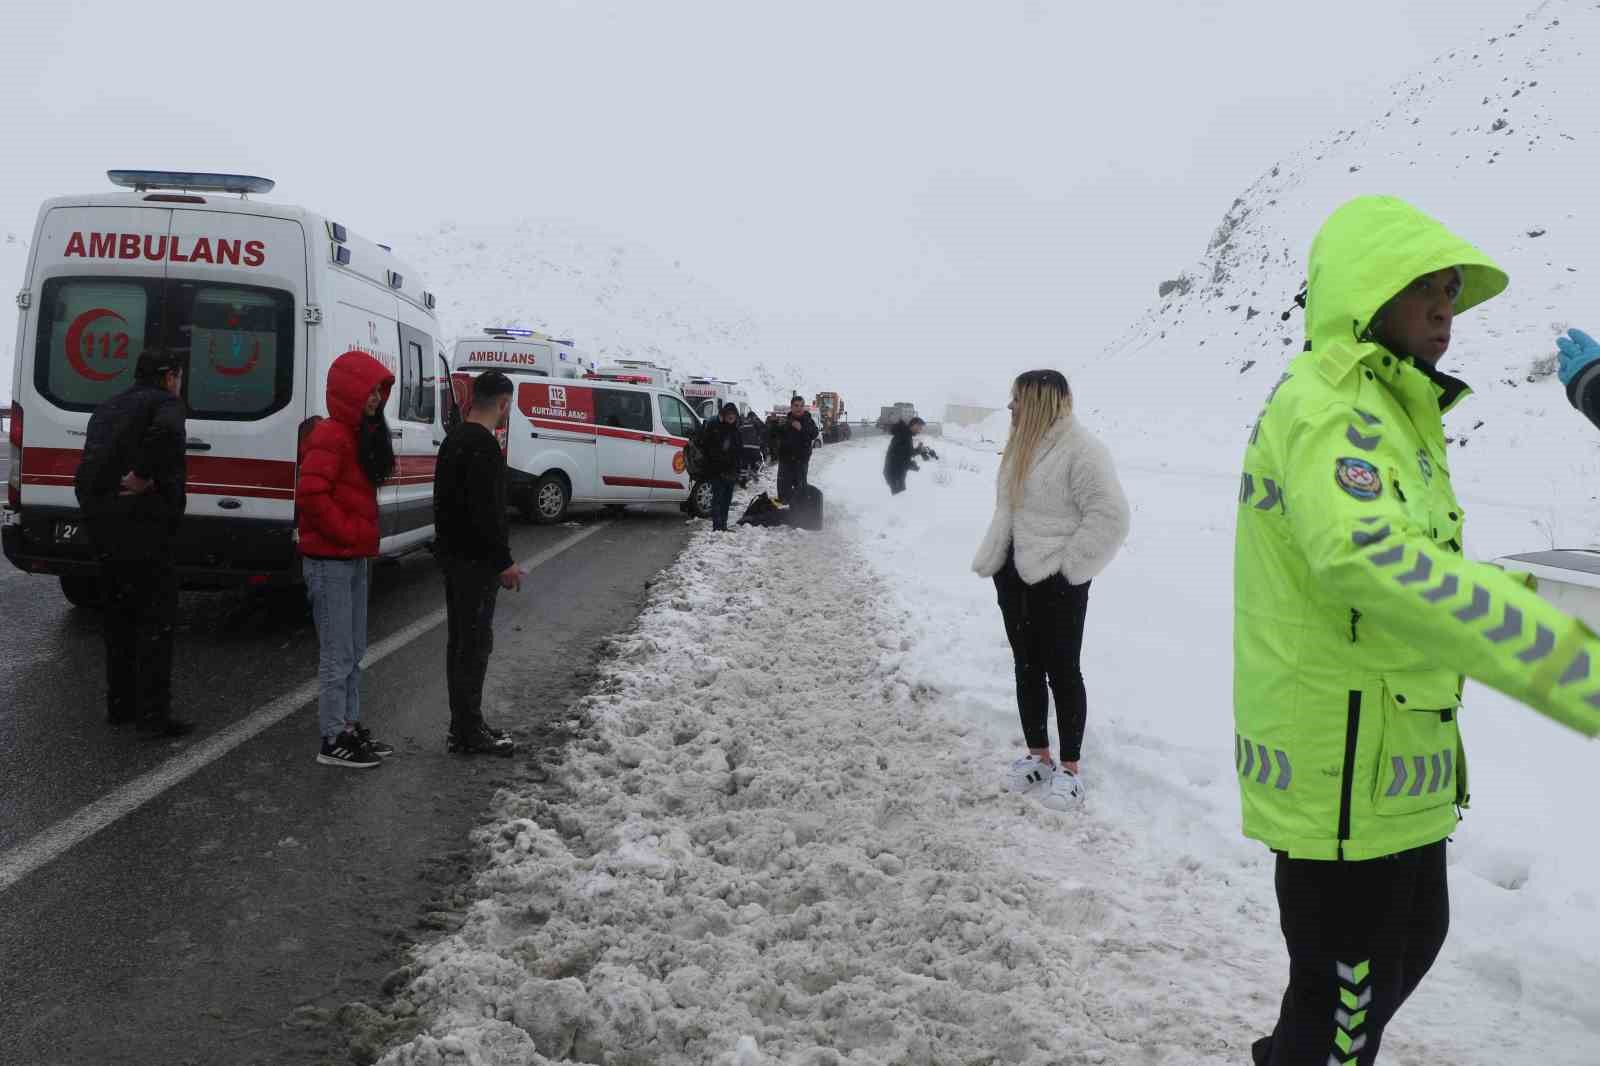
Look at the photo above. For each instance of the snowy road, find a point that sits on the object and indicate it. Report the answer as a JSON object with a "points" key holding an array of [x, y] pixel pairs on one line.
{"points": [[239, 906]]}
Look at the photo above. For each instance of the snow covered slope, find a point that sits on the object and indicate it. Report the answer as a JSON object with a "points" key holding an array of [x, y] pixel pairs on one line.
{"points": [[1501, 141], [615, 299]]}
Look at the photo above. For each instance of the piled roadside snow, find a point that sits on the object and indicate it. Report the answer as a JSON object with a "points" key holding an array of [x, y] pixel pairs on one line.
{"points": [[774, 850]]}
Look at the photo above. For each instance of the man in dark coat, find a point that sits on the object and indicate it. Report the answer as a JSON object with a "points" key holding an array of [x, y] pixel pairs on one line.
{"points": [[797, 438], [722, 442], [903, 454], [131, 487]]}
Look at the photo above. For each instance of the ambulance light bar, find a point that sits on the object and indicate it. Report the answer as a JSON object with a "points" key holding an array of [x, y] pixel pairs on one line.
{"points": [[145, 180], [509, 331]]}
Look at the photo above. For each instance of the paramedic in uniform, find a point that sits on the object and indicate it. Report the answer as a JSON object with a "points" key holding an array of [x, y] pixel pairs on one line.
{"points": [[130, 486], [1355, 617]]}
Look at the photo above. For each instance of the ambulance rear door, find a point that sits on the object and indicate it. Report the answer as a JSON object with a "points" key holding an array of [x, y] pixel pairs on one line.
{"points": [[92, 309], [236, 284]]}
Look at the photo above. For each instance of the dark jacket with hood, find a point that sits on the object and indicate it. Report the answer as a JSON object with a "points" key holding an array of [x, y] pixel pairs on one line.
{"points": [[722, 444], [795, 444], [336, 501], [139, 431]]}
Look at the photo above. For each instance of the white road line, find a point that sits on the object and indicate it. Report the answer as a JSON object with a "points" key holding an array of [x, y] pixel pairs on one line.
{"points": [[52, 843]]}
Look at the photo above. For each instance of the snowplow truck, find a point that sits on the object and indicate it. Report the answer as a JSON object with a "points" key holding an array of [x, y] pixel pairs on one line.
{"points": [[831, 419]]}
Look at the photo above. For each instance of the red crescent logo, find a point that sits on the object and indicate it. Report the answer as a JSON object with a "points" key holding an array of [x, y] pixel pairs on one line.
{"points": [[75, 338], [237, 371]]}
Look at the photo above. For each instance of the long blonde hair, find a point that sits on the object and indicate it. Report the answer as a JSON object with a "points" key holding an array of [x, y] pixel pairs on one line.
{"points": [[1042, 397]]}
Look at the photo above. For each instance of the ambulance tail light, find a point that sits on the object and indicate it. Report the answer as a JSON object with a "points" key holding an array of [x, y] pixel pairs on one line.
{"points": [[14, 476], [341, 255], [338, 232], [396, 281]]}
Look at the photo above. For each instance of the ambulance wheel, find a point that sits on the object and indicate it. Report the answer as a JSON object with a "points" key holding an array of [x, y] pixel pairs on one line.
{"points": [[548, 502], [81, 591], [700, 499]]}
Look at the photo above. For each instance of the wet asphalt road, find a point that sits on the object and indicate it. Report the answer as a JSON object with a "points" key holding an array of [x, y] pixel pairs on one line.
{"points": [[227, 920]]}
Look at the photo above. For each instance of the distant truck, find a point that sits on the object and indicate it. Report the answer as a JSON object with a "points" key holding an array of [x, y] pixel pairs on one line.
{"points": [[900, 412], [831, 418]]}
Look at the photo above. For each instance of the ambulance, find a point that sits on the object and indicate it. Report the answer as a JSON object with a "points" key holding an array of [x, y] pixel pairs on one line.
{"points": [[707, 395], [596, 440], [640, 372], [261, 298], [515, 350]]}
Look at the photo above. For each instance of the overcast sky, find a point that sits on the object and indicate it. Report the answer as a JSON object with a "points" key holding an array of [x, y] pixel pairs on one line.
{"points": [[930, 189]]}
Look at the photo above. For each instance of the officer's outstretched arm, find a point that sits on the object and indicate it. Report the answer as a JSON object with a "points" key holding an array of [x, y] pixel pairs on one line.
{"points": [[1345, 511]]}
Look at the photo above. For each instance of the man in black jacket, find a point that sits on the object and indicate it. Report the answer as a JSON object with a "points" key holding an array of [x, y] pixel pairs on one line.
{"points": [[130, 485], [722, 442], [903, 454], [472, 539], [794, 449]]}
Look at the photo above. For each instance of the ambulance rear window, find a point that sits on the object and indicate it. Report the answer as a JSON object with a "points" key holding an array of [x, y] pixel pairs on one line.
{"points": [[239, 340]]}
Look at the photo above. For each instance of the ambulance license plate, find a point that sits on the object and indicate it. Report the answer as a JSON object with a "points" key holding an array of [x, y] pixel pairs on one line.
{"points": [[70, 533]]}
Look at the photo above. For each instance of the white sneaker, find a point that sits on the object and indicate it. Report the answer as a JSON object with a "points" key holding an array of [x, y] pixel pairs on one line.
{"points": [[1027, 773], [1065, 791]]}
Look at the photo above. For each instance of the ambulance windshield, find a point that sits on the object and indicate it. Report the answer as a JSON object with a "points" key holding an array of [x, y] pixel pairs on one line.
{"points": [[239, 340]]}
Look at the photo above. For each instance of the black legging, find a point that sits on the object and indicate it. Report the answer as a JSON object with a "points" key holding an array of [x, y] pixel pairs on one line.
{"points": [[1044, 623]]}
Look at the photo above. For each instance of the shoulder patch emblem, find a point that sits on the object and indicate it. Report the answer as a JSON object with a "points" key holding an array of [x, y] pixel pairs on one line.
{"points": [[1359, 478]]}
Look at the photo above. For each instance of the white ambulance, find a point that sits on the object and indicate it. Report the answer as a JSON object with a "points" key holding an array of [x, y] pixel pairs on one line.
{"points": [[515, 350], [707, 395], [261, 298], [640, 372], [596, 440]]}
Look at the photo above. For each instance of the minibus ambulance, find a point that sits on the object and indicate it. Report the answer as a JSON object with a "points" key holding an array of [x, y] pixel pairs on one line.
{"points": [[261, 298]]}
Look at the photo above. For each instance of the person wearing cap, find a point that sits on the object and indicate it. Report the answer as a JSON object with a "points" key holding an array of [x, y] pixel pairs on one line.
{"points": [[722, 443], [1356, 615], [131, 486]]}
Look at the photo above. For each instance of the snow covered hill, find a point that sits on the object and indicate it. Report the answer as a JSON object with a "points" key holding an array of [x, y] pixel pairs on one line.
{"points": [[615, 299], [1501, 141]]}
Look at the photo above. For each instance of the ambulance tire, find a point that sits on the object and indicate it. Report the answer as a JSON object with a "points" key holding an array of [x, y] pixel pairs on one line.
{"points": [[700, 499], [548, 502], [81, 590]]}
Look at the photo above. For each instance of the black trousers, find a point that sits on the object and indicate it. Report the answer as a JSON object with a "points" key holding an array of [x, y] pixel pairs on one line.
{"points": [[141, 607], [1361, 935], [1044, 623], [721, 500], [897, 483], [470, 590], [792, 473]]}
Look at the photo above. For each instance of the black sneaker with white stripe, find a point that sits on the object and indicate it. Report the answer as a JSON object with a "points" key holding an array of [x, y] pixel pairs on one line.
{"points": [[480, 740], [347, 750]]}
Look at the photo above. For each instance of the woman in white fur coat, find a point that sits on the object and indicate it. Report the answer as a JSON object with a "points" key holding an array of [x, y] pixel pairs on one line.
{"points": [[1060, 516]]}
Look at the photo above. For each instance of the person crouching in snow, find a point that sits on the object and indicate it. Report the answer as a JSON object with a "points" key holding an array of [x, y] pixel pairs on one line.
{"points": [[344, 459], [903, 454], [1356, 616], [1060, 517]]}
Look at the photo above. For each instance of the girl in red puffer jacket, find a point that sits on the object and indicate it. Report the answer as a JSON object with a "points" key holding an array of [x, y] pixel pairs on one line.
{"points": [[343, 461]]}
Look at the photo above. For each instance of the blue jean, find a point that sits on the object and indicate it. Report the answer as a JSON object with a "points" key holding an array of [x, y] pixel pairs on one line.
{"points": [[721, 500], [337, 589]]}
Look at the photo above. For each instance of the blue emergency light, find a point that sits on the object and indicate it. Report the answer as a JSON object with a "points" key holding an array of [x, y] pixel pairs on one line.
{"points": [[144, 180], [507, 331]]}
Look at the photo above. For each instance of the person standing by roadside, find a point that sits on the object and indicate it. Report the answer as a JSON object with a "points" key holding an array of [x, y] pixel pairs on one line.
{"points": [[1060, 517], [796, 441], [903, 454], [472, 539], [131, 486], [722, 442], [344, 460]]}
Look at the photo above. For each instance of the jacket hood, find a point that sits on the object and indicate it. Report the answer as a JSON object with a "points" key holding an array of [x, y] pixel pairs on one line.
{"points": [[1365, 254], [350, 381]]}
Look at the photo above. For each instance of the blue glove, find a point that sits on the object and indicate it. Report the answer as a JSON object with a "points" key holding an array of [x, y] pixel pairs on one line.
{"points": [[1578, 350]]}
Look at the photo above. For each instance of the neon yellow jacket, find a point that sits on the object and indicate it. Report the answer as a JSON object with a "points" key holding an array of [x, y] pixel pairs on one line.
{"points": [[1355, 613]]}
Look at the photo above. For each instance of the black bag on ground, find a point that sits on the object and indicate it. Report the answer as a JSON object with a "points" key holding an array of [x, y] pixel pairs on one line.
{"points": [[806, 511], [763, 512]]}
